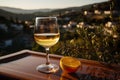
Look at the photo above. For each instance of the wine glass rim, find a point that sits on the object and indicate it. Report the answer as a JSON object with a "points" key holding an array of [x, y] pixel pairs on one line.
{"points": [[44, 17]]}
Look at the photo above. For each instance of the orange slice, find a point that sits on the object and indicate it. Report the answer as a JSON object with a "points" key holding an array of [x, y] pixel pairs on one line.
{"points": [[69, 64]]}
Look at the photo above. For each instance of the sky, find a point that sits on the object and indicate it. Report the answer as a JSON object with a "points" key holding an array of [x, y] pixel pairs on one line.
{"points": [[41, 4]]}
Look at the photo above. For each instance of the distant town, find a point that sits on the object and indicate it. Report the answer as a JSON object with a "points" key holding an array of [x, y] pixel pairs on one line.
{"points": [[16, 29]]}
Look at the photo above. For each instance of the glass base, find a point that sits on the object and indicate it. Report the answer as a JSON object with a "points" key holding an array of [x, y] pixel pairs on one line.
{"points": [[51, 68]]}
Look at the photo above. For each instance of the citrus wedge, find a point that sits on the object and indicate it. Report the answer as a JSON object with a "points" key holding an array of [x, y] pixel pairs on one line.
{"points": [[69, 64]]}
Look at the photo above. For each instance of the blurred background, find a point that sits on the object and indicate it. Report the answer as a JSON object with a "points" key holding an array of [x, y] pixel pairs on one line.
{"points": [[89, 29]]}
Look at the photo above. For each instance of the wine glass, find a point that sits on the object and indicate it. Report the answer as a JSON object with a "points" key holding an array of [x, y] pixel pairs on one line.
{"points": [[46, 34]]}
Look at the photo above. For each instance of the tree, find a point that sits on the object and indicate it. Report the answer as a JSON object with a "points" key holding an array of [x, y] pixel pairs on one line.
{"points": [[114, 6]]}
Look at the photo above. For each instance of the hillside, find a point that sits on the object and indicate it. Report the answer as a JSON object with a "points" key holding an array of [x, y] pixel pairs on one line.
{"points": [[22, 14], [23, 11], [30, 14]]}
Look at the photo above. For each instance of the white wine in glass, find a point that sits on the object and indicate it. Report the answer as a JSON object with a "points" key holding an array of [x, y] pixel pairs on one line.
{"points": [[46, 34]]}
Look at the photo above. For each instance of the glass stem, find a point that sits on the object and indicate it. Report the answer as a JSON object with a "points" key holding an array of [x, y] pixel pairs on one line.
{"points": [[47, 56]]}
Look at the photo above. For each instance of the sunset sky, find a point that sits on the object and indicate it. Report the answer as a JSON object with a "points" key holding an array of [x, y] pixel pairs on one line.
{"points": [[53, 4]]}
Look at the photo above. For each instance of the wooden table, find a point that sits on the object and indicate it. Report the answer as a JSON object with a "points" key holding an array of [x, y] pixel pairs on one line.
{"points": [[22, 66]]}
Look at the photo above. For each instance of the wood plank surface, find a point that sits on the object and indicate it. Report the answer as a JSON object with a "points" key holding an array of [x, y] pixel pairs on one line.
{"points": [[22, 66]]}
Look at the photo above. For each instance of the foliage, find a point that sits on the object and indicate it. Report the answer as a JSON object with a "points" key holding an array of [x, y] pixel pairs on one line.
{"points": [[93, 43]]}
